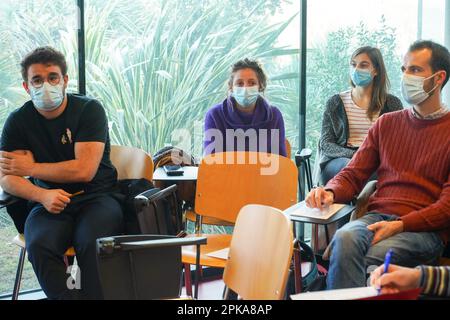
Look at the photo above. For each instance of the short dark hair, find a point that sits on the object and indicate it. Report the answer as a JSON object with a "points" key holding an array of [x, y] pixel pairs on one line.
{"points": [[44, 55], [249, 64], [440, 56]]}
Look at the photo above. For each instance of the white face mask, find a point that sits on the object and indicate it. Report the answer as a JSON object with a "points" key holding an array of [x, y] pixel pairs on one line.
{"points": [[412, 89]]}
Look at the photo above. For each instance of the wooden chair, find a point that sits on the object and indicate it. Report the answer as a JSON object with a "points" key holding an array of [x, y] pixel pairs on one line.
{"points": [[191, 216], [288, 148], [260, 255], [224, 187], [131, 163]]}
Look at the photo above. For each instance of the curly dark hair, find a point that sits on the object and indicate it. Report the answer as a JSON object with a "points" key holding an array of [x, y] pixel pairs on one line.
{"points": [[249, 64], [44, 55]]}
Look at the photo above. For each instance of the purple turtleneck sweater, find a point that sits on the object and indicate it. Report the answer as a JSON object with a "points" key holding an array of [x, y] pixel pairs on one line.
{"points": [[266, 120]]}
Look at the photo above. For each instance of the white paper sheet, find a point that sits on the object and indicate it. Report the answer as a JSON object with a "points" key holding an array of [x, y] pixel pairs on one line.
{"points": [[300, 209], [340, 294], [220, 254]]}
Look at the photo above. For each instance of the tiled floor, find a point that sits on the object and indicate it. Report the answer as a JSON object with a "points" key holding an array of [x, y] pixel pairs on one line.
{"points": [[208, 290]]}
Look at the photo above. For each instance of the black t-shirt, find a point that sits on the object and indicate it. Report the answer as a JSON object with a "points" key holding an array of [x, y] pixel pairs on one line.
{"points": [[51, 141]]}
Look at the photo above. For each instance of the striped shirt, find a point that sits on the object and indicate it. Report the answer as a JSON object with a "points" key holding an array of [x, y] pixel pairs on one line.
{"points": [[435, 281], [358, 122], [443, 110]]}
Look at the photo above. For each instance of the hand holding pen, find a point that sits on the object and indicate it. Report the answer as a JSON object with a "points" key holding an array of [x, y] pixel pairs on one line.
{"points": [[390, 278], [56, 200]]}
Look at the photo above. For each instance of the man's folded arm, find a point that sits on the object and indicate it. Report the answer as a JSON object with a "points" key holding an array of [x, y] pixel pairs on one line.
{"points": [[20, 187], [80, 170]]}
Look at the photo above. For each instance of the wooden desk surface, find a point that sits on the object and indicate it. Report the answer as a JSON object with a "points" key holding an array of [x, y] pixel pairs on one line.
{"points": [[189, 174], [336, 217]]}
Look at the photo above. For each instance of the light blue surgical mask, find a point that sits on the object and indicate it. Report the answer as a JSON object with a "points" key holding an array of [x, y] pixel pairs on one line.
{"points": [[47, 97], [361, 78], [246, 96]]}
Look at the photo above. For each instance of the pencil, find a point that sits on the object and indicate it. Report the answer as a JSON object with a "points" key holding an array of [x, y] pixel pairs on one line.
{"points": [[76, 194]]}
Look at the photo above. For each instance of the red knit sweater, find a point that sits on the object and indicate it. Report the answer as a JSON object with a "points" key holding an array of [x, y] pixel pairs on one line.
{"points": [[412, 157]]}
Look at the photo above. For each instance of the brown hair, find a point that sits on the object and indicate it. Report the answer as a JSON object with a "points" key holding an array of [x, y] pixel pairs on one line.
{"points": [[249, 64], [440, 56], [43, 55], [381, 82]]}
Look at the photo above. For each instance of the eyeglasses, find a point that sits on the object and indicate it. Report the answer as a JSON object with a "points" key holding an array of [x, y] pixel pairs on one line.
{"points": [[53, 79]]}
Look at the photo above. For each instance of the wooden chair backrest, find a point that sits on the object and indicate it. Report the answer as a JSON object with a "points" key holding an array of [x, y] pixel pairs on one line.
{"points": [[288, 148], [241, 178], [260, 254], [131, 163]]}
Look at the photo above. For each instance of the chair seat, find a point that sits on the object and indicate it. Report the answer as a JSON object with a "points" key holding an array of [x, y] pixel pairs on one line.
{"points": [[214, 242], [19, 240], [191, 216]]}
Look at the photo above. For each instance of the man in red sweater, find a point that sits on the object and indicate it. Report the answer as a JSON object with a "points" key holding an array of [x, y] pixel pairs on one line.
{"points": [[410, 150]]}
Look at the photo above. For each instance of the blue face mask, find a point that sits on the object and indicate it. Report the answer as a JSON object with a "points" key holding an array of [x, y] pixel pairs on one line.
{"points": [[47, 97], [361, 78], [246, 96]]}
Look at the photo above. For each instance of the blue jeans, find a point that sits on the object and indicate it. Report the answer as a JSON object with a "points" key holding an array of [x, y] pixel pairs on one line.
{"points": [[352, 253], [332, 168], [335, 166]]}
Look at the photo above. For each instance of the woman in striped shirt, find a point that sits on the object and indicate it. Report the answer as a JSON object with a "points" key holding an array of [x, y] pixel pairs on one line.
{"points": [[349, 115]]}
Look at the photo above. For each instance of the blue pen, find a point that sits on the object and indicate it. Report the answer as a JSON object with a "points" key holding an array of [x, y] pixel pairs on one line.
{"points": [[387, 261]]}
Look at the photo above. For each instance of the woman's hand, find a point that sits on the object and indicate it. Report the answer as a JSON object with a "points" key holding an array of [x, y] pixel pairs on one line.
{"points": [[396, 279]]}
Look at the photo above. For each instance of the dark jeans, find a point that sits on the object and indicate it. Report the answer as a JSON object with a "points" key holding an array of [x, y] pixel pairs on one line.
{"points": [[332, 168], [48, 236], [335, 166]]}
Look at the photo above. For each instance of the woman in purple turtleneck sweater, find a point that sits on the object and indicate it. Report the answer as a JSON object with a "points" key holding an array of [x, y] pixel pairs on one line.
{"points": [[245, 121]]}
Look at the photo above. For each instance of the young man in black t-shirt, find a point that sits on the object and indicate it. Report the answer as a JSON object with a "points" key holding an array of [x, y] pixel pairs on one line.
{"points": [[60, 140]]}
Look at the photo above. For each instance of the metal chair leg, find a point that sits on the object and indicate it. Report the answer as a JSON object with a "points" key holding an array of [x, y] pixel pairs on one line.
{"points": [[16, 289], [327, 234], [226, 293], [187, 279], [198, 269], [315, 235], [297, 268], [66, 261]]}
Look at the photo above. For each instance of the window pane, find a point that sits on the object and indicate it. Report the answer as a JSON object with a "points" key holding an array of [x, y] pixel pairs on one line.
{"points": [[25, 25], [158, 66]]}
